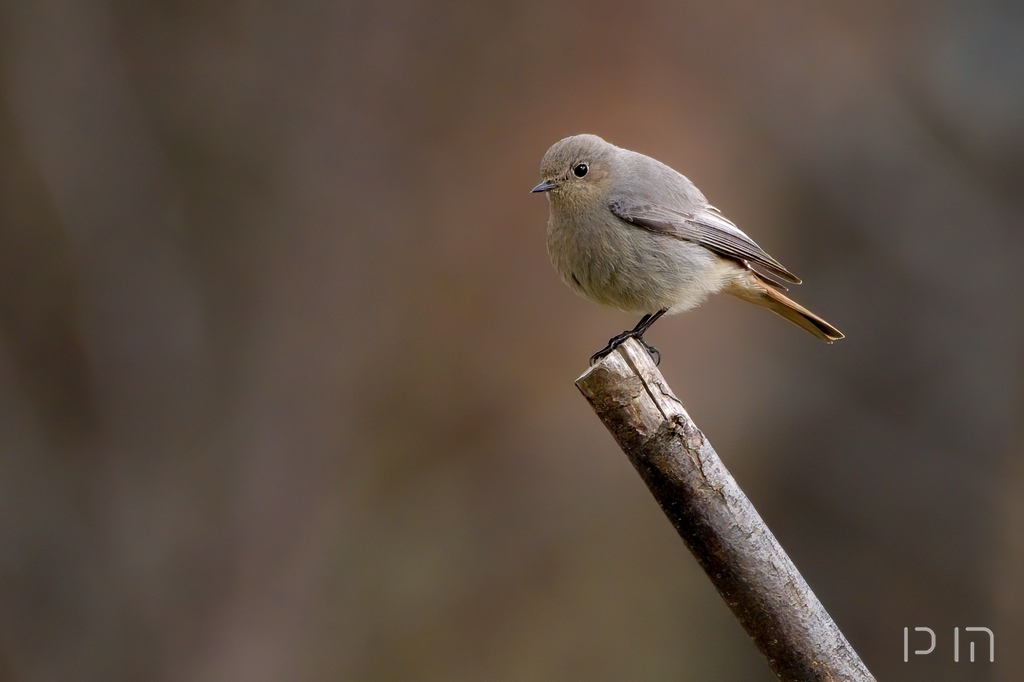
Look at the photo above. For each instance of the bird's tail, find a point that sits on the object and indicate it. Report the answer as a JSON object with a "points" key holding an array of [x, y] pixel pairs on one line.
{"points": [[763, 292]]}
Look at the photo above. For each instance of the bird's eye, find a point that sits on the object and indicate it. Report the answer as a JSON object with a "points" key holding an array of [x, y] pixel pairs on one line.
{"points": [[580, 170]]}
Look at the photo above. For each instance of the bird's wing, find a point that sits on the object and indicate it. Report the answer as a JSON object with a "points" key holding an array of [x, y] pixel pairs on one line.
{"points": [[704, 226]]}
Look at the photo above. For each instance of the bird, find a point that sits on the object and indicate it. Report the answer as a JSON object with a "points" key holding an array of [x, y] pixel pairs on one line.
{"points": [[629, 232]]}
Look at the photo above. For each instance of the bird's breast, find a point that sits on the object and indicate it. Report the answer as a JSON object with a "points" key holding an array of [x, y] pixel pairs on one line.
{"points": [[625, 267]]}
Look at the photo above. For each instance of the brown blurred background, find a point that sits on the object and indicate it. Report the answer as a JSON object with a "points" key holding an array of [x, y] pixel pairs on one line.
{"points": [[286, 379]]}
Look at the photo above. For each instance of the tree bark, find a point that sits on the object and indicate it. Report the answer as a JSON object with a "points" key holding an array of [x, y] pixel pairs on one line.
{"points": [[730, 541]]}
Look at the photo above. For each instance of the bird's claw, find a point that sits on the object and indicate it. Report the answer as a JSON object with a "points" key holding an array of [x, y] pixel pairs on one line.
{"points": [[654, 352], [620, 339]]}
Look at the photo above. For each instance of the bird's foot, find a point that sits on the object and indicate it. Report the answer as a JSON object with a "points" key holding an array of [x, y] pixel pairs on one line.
{"points": [[620, 339], [652, 351]]}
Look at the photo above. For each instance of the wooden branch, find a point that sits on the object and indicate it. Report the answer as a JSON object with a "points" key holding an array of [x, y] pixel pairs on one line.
{"points": [[716, 520]]}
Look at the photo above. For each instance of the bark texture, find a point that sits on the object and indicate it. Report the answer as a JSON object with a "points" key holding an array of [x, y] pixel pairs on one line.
{"points": [[755, 577]]}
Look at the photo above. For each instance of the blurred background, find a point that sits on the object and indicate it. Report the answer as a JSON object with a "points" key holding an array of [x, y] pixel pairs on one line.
{"points": [[286, 378]]}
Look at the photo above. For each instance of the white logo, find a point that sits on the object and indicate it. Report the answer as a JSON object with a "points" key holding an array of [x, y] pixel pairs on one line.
{"points": [[956, 643]]}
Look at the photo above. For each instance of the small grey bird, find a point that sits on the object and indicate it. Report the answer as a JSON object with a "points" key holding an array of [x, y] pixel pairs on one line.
{"points": [[629, 232]]}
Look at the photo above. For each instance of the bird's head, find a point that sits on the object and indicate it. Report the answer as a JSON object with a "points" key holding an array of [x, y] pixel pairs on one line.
{"points": [[576, 168]]}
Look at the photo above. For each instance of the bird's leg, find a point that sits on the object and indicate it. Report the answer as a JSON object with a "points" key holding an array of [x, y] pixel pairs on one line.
{"points": [[620, 339], [637, 333]]}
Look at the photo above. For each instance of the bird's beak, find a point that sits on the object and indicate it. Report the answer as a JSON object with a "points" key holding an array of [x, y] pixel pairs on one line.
{"points": [[545, 186]]}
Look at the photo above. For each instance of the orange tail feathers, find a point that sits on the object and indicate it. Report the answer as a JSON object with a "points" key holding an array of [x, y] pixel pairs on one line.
{"points": [[764, 293]]}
